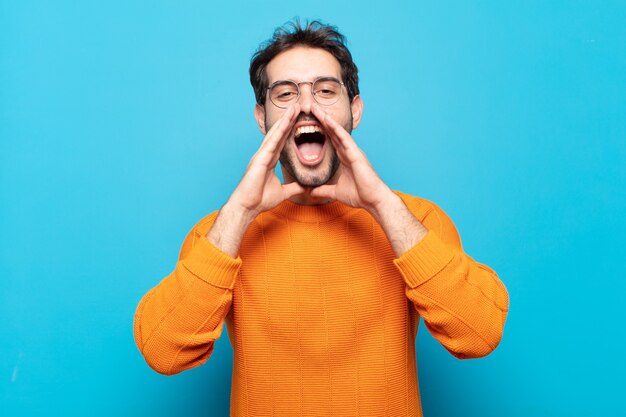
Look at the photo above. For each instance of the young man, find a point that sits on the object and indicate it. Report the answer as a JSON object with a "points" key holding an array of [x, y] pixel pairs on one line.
{"points": [[321, 280]]}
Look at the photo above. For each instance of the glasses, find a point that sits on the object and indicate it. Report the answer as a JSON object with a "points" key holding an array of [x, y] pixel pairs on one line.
{"points": [[325, 90]]}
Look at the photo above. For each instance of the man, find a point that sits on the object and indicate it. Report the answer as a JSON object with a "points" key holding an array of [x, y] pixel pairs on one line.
{"points": [[322, 279]]}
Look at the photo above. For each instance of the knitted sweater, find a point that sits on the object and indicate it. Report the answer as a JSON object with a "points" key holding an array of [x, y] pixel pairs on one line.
{"points": [[321, 315]]}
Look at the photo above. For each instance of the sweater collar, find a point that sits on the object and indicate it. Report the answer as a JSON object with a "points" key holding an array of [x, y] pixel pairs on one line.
{"points": [[311, 214]]}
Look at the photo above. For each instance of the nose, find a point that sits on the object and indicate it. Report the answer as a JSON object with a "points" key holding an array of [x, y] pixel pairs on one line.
{"points": [[306, 96]]}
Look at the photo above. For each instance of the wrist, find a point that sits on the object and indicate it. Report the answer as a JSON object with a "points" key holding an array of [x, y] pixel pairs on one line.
{"points": [[403, 230], [237, 213], [229, 227], [386, 205]]}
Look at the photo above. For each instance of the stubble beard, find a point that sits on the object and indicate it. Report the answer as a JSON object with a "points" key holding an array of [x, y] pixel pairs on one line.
{"points": [[310, 177]]}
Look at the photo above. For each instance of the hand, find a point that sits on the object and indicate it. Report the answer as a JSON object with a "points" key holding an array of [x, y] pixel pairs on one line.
{"points": [[358, 184], [259, 189]]}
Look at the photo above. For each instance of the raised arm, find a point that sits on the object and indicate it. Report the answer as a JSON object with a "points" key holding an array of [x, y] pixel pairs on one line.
{"points": [[178, 321], [463, 303]]}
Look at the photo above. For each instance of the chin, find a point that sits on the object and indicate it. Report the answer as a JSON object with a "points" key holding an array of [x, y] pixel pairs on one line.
{"points": [[310, 177]]}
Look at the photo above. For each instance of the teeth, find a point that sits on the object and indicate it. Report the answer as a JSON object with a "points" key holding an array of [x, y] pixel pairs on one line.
{"points": [[308, 129], [310, 157]]}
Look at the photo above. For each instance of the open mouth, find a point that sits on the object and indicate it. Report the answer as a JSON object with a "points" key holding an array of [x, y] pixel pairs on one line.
{"points": [[310, 141]]}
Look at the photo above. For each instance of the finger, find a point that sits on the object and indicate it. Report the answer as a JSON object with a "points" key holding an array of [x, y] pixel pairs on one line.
{"points": [[330, 124], [285, 134], [341, 152], [288, 131], [282, 126], [324, 118], [281, 120], [341, 139], [292, 189], [276, 136], [325, 191]]}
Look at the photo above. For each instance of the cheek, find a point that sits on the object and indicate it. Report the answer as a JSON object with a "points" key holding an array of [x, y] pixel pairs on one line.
{"points": [[344, 119], [342, 115], [270, 118]]}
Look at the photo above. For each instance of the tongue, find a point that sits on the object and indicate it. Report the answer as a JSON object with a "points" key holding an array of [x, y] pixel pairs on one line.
{"points": [[310, 150]]}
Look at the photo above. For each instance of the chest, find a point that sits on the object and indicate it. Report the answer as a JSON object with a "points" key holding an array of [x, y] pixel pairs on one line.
{"points": [[323, 282]]}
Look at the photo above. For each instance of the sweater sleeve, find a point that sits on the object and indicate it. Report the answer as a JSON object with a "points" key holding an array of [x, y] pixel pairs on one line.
{"points": [[464, 304], [178, 321]]}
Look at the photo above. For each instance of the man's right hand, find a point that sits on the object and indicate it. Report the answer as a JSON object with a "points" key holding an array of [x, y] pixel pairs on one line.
{"points": [[259, 190]]}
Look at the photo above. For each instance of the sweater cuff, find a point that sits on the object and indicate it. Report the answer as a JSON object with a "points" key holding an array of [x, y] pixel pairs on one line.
{"points": [[212, 265], [424, 260]]}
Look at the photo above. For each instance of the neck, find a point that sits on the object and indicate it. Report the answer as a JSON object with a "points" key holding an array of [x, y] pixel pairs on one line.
{"points": [[305, 199]]}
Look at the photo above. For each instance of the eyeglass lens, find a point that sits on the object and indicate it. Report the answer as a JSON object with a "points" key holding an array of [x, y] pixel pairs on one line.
{"points": [[326, 91]]}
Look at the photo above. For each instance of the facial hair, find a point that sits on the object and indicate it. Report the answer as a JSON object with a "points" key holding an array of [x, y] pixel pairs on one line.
{"points": [[310, 177]]}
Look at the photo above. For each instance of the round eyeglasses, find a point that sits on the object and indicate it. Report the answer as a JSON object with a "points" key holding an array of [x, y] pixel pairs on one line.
{"points": [[325, 90]]}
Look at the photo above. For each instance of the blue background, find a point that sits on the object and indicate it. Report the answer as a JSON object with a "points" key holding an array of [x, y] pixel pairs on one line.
{"points": [[123, 123]]}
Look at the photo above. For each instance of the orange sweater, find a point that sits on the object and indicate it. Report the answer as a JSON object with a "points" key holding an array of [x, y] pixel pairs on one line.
{"points": [[321, 317]]}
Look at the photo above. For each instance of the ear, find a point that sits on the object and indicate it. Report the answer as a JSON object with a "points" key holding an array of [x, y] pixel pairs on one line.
{"points": [[357, 111], [259, 115]]}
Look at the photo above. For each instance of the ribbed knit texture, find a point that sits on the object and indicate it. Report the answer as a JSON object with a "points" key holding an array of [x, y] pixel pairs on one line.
{"points": [[321, 316]]}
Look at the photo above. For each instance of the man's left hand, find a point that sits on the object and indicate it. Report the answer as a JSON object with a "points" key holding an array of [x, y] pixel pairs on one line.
{"points": [[358, 185]]}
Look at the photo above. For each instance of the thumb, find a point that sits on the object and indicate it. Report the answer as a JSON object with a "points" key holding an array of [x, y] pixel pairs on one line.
{"points": [[291, 189], [324, 191]]}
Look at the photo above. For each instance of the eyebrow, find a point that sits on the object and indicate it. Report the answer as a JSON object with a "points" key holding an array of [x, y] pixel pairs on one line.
{"points": [[315, 78]]}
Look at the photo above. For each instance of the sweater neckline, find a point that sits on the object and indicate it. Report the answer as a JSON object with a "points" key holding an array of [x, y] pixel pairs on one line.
{"points": [[311, 214]]}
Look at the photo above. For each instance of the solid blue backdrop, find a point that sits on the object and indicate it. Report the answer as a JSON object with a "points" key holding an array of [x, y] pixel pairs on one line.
{"points": [[124, 123]]}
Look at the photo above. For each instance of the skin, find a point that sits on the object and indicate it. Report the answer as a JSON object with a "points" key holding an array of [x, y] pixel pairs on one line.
{"points": [[355, 182], [307, 64]]}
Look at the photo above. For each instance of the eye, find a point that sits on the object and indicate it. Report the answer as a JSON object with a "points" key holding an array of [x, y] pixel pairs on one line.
{"points": [[327, 88], [326, 93], [284, 92]]}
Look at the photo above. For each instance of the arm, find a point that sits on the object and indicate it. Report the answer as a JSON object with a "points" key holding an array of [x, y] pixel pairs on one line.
{"points": [[178, 321], [463, 303]]}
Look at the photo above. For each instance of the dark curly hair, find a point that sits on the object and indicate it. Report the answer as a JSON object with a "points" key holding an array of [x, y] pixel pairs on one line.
{"points": [[314, 34]]}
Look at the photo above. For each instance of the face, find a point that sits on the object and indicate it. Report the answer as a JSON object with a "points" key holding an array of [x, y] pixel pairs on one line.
{"points": [[308, 156]]}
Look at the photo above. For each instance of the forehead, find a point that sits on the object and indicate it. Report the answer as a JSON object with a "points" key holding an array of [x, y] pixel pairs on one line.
{"points": [[303, 64]]}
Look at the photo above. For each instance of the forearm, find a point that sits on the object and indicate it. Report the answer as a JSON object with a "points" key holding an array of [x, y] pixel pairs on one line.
{"points": [[230, 226], [464, 304], [177, 322], [402, 228]]}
